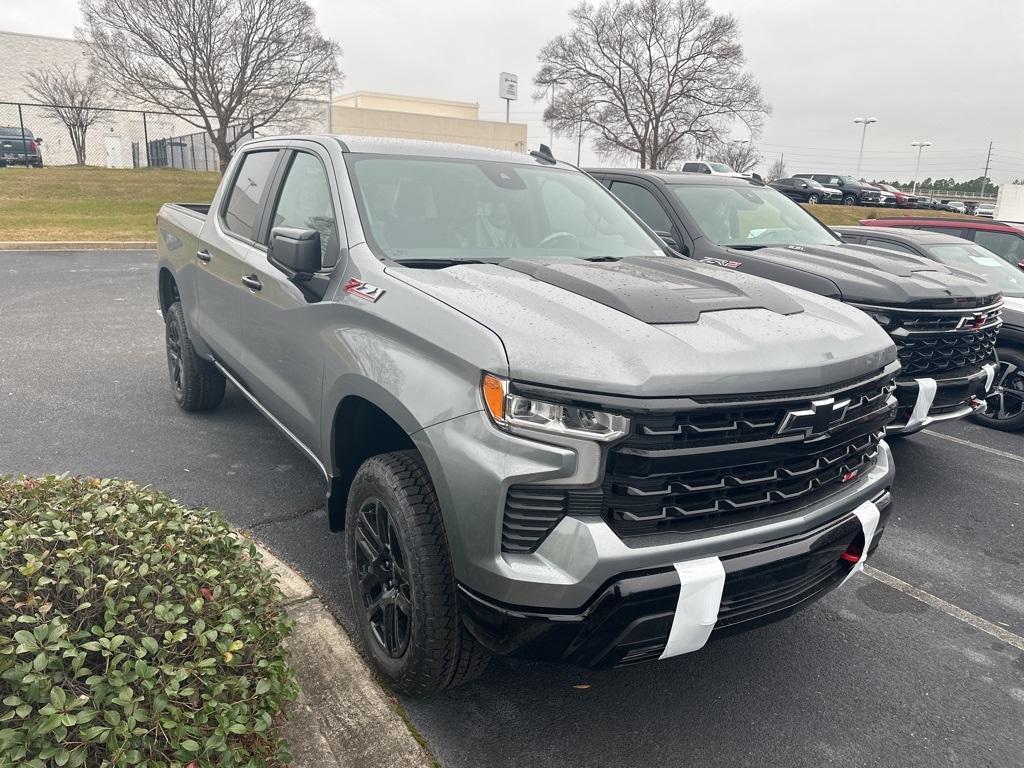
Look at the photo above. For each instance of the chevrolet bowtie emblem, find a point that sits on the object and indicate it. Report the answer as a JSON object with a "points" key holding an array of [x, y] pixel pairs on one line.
{"points": [[815, 421]]}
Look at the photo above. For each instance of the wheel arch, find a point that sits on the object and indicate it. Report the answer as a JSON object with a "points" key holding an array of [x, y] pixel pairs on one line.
{"points": [[167, 289]]}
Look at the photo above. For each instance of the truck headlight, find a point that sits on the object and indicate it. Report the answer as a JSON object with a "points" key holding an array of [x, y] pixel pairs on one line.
{"points": [[509, 409]]}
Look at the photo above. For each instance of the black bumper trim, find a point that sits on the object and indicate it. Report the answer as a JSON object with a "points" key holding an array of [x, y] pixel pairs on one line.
{"points": [[628, 619]]}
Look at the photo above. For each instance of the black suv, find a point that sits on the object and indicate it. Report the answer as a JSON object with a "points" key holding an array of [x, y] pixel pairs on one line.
{"points": [[943, 321], [20, 147], [806, 191], [854, 192]]}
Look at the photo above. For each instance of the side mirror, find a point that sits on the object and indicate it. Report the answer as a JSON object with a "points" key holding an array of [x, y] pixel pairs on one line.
{"points": [[296, 250], [38, 140], [705, 169]]}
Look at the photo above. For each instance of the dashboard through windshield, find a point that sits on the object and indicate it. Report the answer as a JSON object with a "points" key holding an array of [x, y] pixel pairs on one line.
{"points": [[750, 216], [422, 209]]}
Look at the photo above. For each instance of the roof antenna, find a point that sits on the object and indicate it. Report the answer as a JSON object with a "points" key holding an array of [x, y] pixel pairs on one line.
{"points": [[544, 154]]}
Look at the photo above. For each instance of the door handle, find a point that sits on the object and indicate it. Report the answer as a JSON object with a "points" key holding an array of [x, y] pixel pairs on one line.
{"points": [[252, 282], [203, 255]]}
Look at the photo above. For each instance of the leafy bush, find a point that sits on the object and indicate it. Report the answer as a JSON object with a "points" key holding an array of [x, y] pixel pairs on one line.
{"points": [[133, 632]]}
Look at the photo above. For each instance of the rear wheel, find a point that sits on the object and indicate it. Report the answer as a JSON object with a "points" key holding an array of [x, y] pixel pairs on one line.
{"points": [[401, 578], [1005, 406], [196, 384]]}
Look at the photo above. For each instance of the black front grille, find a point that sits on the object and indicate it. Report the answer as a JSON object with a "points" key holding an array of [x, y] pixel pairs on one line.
{"points": [[935, 342], [927, 354], [718, 462], [652, 494]]}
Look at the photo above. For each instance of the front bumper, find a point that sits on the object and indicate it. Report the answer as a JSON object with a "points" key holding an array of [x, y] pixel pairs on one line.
{"points": [[953, 398], [628, 619]]}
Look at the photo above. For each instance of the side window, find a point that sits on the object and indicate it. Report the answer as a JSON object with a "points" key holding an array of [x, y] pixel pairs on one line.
{"points": [[305, 203], [243, 204], [784, 183], [644, 204], [691, 168], [889, 244], [951, 231], [1002, 243]]}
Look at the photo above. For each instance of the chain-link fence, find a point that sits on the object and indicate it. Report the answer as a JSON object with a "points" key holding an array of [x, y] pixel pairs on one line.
{"points": [[38, 135]]}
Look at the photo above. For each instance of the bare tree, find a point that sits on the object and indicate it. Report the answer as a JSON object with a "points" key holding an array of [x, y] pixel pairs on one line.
{"points": [[741, 156], [648, 76], [216, 64], [69, 98], [777, 170]]}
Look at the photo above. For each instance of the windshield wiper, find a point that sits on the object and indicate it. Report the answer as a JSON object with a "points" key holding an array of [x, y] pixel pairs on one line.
{"points": [[437, 263]]}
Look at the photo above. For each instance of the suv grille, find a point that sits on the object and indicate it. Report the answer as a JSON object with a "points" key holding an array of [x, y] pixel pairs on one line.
{"points": [[719, 462], [930, 343]]}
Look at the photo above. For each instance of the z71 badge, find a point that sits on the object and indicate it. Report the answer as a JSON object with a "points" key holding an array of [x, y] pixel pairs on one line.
{"points": [[722, 262], [363, 290]]}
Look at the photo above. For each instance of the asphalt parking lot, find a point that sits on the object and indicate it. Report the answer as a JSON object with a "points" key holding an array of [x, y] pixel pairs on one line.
{"points": [[870, 675]]}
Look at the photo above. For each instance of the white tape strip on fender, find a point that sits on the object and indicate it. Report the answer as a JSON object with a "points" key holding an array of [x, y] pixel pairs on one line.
{"points": [[868, 515], [700, 596], [925, 398]]}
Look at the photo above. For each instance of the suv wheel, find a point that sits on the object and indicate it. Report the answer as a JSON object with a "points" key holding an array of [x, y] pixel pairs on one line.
{"points": [[400, 574], [849, 200], [812, 199], [197, 385], [1005, 406]]}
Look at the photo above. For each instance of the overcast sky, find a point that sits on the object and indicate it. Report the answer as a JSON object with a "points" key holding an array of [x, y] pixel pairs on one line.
{"points": [[947, 71]]}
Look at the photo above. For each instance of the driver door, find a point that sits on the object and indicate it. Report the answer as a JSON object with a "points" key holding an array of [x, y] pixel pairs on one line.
{"points": [[280, 324]]}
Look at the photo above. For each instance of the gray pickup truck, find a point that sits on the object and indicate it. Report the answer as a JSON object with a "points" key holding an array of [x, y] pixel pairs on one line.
{"points": [[541, 431]]}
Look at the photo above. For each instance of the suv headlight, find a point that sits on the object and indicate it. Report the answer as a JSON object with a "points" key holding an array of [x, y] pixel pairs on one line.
{"points": [[508, 409]]}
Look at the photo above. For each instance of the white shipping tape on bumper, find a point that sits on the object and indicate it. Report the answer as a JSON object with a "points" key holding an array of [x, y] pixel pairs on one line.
{"points": [[990, 376], [700, 596], [868, 515], [925, 397]]}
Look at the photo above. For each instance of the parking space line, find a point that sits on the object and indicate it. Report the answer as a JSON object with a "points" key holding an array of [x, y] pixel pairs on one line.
{"points": [[949, 609], [976, 446]]}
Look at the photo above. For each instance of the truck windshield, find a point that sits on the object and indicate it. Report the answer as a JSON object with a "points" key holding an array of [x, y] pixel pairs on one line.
{"points": [[981, 261], [750, 217], [423, 209]]}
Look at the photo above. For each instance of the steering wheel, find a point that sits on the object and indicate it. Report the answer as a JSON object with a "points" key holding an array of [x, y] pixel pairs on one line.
{"points": [[558, 236]]}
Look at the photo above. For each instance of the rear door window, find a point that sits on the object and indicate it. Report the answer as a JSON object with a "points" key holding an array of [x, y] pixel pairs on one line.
{"points": [[644, 204], [243, 204], [1007, 245]]}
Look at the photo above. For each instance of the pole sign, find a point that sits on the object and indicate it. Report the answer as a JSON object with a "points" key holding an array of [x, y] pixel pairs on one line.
{"points": [[508, 86]]}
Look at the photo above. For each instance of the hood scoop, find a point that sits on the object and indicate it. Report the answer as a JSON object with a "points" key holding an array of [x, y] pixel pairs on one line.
{"points": [[658, 290]]}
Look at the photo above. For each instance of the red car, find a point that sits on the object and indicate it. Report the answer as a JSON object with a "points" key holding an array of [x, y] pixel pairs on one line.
{"points": [[903, 199], [1005, 240]]}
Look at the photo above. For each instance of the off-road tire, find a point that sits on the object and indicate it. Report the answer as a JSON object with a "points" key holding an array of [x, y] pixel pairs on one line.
{"points": [[198, 386], [441, 653]]}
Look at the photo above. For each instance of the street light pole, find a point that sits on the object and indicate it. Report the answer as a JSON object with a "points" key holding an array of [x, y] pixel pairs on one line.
{"points": [[865, 121], [917, 168]]}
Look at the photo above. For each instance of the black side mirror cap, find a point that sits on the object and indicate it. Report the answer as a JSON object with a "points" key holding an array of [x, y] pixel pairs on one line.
{"points": [[295, 250]]}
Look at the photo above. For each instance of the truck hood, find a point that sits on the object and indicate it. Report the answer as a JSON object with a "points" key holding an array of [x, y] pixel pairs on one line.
{"points": [[866, 275], [653, 327]]}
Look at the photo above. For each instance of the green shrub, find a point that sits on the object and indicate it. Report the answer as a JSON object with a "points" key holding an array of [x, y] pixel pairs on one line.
{"points": [[133, 632]]}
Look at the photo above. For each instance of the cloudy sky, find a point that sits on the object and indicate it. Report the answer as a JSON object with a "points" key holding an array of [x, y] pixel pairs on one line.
{"points": [[947, 71]]}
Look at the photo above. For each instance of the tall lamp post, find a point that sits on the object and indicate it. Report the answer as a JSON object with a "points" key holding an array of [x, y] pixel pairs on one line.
{"points": [[917, 168], [865, 121]]}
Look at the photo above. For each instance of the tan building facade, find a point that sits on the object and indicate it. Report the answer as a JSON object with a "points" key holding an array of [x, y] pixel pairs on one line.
{"points": [[409, 117]]}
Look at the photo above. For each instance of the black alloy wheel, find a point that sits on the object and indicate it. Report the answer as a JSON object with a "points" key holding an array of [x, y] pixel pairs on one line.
{"points": [[174, 362], [1005, 403], [384, 584]]}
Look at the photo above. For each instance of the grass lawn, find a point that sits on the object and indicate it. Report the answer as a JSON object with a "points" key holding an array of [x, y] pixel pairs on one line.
{"points": [[73, 203], [851, 215]]}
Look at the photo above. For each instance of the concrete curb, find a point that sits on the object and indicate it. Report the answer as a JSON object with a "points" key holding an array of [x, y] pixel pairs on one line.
{"points": [[342, 718], [78, 245]]}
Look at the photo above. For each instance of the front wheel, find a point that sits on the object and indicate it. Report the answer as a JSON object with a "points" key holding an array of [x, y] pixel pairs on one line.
{"points": [[812, 199], [850, 200], [400, 574], [1005, 405]]}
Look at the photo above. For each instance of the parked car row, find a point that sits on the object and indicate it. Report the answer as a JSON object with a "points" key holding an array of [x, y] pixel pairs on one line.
{"points": [[592, 417], [20, 147]]}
